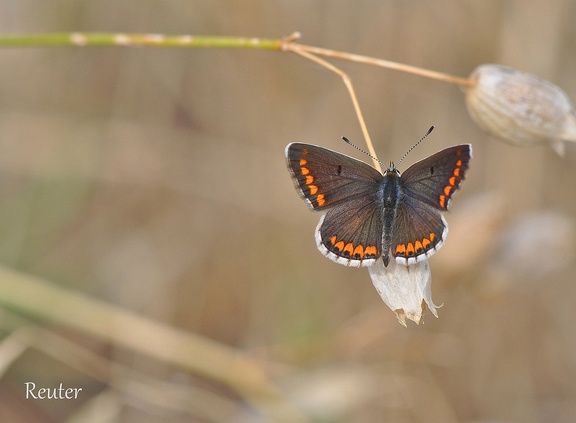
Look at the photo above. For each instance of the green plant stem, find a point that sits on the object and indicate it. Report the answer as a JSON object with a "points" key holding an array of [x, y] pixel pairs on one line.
{"points": [[149, 40], [82, 39]]}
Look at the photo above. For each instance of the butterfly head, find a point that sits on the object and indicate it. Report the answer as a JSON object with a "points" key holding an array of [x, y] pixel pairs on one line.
{"points": [[391, 170]]}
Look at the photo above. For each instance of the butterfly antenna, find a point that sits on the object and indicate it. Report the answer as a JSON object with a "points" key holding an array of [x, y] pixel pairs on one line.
{"points": [[414, 146], [363, 151]]}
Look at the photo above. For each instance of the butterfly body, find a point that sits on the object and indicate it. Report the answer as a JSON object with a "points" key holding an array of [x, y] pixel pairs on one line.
{"points": [[371, 215], [388, 199]]}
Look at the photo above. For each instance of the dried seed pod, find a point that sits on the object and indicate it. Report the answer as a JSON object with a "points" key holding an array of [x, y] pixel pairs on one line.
{"points": [[519, 108]]}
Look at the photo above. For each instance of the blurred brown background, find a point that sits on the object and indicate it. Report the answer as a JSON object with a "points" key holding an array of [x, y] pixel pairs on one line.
{"points": [[154, 179]]}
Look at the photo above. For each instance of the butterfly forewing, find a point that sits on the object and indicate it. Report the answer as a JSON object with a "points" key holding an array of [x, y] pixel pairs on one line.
{"points": [[434, 179], [326, 178]]}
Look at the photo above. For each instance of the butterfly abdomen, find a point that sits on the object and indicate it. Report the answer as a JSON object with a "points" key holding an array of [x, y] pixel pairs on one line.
{"points": [[389, 196]]}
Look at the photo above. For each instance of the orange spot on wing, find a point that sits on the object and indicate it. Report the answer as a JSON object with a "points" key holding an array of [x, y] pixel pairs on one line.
{"points": [[456, 172], [410, 249], [303, 162], [400, 249], [442, 200], [309, 179], [425, 243], [349, 248], [339, 245], [432, 236], [418, 246], [447, 190], [320, 200], [313, 189], [370, 251], [452, 181], [304, 170], [359, 251]]}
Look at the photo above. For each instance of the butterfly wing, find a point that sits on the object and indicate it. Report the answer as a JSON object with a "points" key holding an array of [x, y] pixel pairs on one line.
{"points": [[428, 185], [434, 179], [419, 231], [326, 178], [350, 233]]}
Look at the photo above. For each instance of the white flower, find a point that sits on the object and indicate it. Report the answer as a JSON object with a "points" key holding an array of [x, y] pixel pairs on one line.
{"points": [[406, 290]]}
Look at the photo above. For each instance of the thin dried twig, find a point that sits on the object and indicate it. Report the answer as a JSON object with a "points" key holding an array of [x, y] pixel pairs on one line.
{"points": [[348, 82], [414, 70]]}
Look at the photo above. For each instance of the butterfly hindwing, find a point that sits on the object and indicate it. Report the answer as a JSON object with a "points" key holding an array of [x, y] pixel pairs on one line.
{"points": [[419, 230], [351, 233]]}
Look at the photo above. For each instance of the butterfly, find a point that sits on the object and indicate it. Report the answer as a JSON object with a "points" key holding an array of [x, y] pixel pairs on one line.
{"points": [[371, 215]]}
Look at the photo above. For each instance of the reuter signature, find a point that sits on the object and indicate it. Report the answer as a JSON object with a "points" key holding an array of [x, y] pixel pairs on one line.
{"points": [[50, 393]]}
